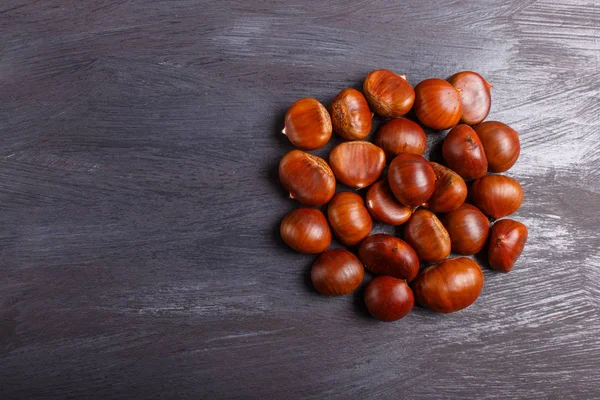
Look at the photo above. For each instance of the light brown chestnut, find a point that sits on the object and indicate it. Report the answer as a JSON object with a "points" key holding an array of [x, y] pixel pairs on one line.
{"points": [[350, 115], [411, 179], [336, 272], [307, 124], [425, 233], [497, 195], [437, 104], [383, 205], [306, 230], [308, 178], [449, 286], [450, 190], [475, 96], [468, 229], [387, 255], [507, 240], [389, 94], [349, 218], [357, 164], [401, 135], [501, 144], [463, 152], [388, 298]]}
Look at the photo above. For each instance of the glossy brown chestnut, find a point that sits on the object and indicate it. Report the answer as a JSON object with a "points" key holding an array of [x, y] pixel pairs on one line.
{"points": [[475, 96], [450, 190], [357, 164], [388, 298], [426, 234], [497, 195], [387, 255], [500, 143], [468, 229], [308, 178], [463, 152], [389, 95], [383, 205], [350, 115], [401, 135], [411, 179], [449, 286], [507, 240], [437, 104], [306, 230], [349, 218], [336, 272], [307, 124]]}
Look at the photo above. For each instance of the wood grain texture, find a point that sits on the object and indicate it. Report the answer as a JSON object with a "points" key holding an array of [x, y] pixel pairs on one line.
{"points": [[139, 201]]}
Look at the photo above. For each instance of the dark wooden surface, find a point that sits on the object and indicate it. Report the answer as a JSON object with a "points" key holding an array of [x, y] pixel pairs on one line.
{"points": [[139, 202]]}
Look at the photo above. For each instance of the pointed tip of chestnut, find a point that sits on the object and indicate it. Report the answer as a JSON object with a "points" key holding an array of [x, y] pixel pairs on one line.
{"points": [[283, 131], [403, 76]]}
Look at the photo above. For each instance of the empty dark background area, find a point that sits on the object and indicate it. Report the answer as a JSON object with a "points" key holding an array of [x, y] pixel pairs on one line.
{"points": [[139, 201]]}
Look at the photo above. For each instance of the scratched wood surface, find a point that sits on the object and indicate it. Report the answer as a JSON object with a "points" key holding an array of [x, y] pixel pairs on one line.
{"points": [[139, 203]]}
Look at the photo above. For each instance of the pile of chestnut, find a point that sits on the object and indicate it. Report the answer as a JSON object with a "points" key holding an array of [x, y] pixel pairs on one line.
{"points": [[439, 213]]}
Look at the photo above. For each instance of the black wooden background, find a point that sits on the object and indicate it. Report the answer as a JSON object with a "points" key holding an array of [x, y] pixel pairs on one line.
{"points": [[139, 202]]}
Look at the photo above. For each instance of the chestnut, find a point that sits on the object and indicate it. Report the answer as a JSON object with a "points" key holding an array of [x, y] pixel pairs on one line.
{"points": [[383, 205], [449, 286], [357, 164], [507, 240], [401, 135], [463, 152], [411, 179], [450, 190], [306, 230], [497, 195], [387, 255], [475, 96], [437, 104], [389, 95], [307, 124], [388, 298], [468, 229], [349, 218], [350, 115], [500, 143], [308, 178], [336, 272], [426, 234]]}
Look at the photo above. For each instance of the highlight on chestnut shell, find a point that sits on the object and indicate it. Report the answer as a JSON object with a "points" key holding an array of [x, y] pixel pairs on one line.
{"points": [[350, 115], [336, 272], [475, 96], [306, 230], [389, 94], [308, 124], [388, 298]]}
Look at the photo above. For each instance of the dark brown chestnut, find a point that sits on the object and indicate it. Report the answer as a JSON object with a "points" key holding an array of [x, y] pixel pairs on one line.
{"points": [[401, 135], [357, 164], [308, 178], [437, 104], [307, 124], [507, 240], [426, 234], [350, 115], [411, 179], [468, 229], [475, 96], [336, 272], [388, 298], [450, 190], [389, 95], [449, 286], [383, 205], [497, 195], [306, 230], [349, 218], [463, 152], [500, 143], [387, 255]]}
